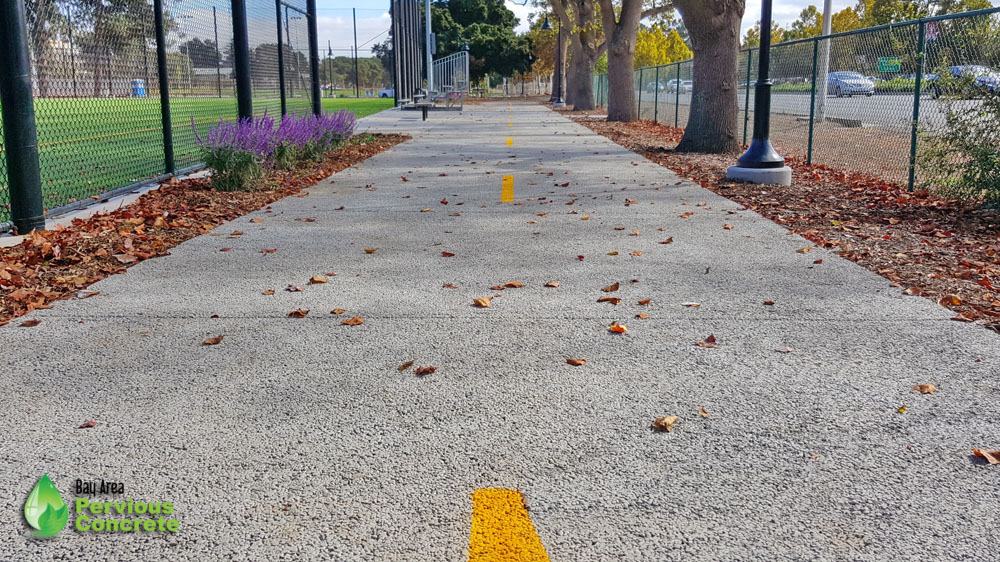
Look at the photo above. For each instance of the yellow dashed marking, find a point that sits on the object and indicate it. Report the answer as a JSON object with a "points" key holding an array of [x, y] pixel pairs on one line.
{"points": [[507, 190], [502, 530], [510, 124], [510, 141]]}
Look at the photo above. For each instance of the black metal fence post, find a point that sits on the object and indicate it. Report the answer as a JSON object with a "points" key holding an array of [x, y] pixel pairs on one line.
{"points": [[317, 99], [20, 136], [281, 59], [218, 57], [241, 60], [162, 76]]}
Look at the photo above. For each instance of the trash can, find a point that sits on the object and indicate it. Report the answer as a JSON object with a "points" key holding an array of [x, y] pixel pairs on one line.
{"points": [[138, 88]]}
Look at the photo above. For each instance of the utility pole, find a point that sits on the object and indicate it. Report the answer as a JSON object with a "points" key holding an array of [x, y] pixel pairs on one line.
{"points": [[357, 77], [430, 54], [823, 72]]}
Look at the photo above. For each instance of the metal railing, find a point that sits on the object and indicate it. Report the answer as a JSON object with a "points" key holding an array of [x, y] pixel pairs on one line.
{"points": [[115, 94], [451, 73], [863, 100]]}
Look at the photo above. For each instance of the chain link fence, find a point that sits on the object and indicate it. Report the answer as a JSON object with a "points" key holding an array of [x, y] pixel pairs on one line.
{"points": [[95, 80], [865, 101]]}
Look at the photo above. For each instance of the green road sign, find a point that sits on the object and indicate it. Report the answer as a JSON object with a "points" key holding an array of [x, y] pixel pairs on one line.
{"points": [[889, 64]]}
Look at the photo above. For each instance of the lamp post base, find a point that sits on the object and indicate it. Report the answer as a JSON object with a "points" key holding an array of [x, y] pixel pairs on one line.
{"points": [[559, 104], [768, 176]]}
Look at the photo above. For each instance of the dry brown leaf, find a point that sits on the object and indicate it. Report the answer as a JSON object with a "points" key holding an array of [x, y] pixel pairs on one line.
{"points": [[294, 289], [642, 316], [268, 292], [299, 313], [213, 341], [913, 291], [449, 286], [636, 253], [125, 258], [612, 288], [483, 302], [338, 311], [667, 241], [316, 279], [405, 366], [552, 284], [785, 350], [513, 285], [224, 249], [926, 388], [952, 300], [256, 220], [708, 343], [666, 423], [271, 251], [901, 409], [31, 323], [87, 425], [617, 328], [619, 228], [371, 250], [612, 253], [356, 321], [424, 371], [497, 288], [703, 412], [691, 304], [768, 303], [447, 255], [727, 226], [576, 362], [992, 457], [805, 250], [613, 300], [425, 210]]}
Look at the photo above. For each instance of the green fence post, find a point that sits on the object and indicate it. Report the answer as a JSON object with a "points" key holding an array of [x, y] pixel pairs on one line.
{"points": [[916, 105], [241, 59], [20, 135], [638, 107], [746, 100], [656, 97], [166, 122], [812, 104], [677, 97]]}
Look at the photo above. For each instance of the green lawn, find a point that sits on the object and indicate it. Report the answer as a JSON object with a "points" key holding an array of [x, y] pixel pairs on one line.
{"points": [[90, 146]]}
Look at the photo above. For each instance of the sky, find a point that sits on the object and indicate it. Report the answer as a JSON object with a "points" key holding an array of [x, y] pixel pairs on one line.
{"points": [[373, 19]]}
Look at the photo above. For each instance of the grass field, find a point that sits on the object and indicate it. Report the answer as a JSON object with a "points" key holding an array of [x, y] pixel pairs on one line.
{"points": [[90, 146]]}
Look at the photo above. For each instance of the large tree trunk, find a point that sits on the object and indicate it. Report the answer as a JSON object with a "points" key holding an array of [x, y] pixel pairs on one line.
{"points": [[714, 29], [578, 16], [620, 36]]}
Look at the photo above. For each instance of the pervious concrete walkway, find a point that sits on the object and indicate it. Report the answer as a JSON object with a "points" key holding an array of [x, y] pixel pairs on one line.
{"points": [[298, 438]]}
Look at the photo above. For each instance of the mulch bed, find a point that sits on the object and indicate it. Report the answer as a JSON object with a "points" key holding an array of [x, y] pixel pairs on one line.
{"points": [[941, 249], [61, 263]]}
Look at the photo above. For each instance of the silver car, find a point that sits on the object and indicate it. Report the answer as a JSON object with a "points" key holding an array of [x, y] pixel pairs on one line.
{"points": [[849, 84]]}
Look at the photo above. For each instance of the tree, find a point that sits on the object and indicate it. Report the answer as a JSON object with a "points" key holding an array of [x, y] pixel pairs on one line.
{"points": [[656, 45], [714, 28], [488, 28], [580, 24], [383, 52], [203, 53], [621, 28], [809, 24], [752, 37]]}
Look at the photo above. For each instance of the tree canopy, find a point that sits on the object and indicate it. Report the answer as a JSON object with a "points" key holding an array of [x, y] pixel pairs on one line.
{"points": [[487, 26]]}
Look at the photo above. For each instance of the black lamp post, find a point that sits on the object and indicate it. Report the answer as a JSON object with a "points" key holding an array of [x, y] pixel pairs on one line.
{"points": [[761, 163], [557, 98], [761, 154]]}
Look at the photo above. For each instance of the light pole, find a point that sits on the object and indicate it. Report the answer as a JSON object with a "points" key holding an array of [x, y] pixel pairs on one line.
{"points": [[557, 97], [468, 79], [761, 163]]}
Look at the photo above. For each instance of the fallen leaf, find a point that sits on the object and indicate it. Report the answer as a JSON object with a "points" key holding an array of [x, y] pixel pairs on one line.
{"points": [[356, 321], [424, 371], [316, 279], [612, 288], [579, 258], [727, 226], [427, 210], [513, 285], [703, 412], [635, 233], [371, 250], [667, 241], [338, 311], [256, 220], [449, 286], [708, 343], [612, 253], [213, 341], [805, 250], [613, 300], [926, 388], [952, 300], [299, 313], [497, 288], [642, 316], [224, 249], [271, 251], [665, 423], [405, 366], [31, 323], [901, 409], [768, 303], [992, 457], [785, 350], [404, 178], [618, 328], [483, 302], [87, 425], [691, 304], [447, 255], [552, 284], [636, 253], [576, 362], [619, 228], [444, 201], [268, 292], [126, 258], [86, 294], [913, 291], [294, 289]]}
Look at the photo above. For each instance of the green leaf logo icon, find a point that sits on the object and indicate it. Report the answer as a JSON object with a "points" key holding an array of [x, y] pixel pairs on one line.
{"points": [[45, 510]]}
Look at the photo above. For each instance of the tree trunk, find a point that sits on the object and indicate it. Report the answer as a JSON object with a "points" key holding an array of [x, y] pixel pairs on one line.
{"points": [[714, 29], [620, 36], [578, 16]]}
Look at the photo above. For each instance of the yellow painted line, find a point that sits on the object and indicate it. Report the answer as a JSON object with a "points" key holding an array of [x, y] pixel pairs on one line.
{"points": [[507, 190], [502, 530], [510, 141], [510, 124]]}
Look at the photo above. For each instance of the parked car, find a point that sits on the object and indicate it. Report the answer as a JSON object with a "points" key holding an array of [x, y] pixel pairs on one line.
{"points": [[653, 87], [972, 77], [849, 84], [687, 86], [683, 85], [387, 93]]}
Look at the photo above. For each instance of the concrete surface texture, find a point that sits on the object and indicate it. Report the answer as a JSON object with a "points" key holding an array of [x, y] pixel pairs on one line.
{"points": [[298, 438]]}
